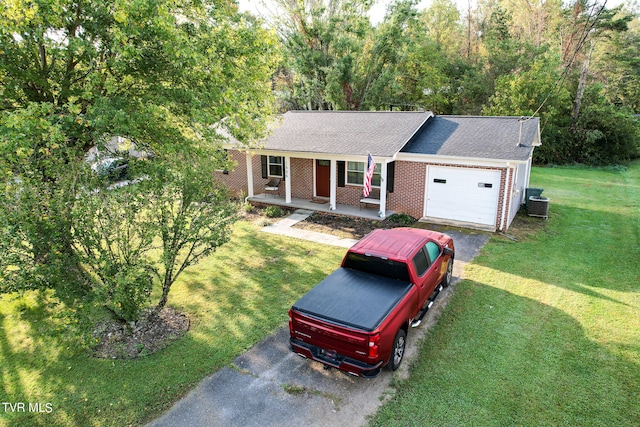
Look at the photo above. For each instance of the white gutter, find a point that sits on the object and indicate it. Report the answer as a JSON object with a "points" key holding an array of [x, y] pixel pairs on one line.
{"points": [[456, 160]]}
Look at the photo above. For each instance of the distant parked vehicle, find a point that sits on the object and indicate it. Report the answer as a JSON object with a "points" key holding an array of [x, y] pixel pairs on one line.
{"points": [[113, 169]]}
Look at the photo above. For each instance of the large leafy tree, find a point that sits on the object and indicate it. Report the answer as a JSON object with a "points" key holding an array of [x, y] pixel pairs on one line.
{"points": [[324, 42], [162, 74]]}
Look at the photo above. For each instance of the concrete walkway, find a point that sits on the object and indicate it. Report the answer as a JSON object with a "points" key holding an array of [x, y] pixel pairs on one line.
{"points": [[285, 228]]}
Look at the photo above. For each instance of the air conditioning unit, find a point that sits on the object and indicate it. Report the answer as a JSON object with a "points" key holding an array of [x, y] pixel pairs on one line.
{"points": [[538, 206]]}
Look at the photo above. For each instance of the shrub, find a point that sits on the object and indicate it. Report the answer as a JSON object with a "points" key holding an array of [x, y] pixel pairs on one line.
{"points": [[273, 212], [247, 207], [401, 219]]}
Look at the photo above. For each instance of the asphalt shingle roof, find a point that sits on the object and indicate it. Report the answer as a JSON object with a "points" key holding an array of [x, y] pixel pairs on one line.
{"points": [[481, 137], [382, 133]]}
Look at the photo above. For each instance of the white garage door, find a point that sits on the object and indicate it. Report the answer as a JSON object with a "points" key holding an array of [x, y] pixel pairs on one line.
{"points": [[469, 195]]}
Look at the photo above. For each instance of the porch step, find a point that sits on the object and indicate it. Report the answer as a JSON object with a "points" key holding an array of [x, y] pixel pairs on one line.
{"points": [[293, 219]]}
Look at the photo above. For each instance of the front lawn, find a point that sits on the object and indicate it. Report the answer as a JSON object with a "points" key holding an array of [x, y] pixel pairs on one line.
{"points": [[544, 331], [234, 299]]}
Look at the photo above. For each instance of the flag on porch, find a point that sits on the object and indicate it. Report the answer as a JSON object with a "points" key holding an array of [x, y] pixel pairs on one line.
{"points": [[368, 175]]}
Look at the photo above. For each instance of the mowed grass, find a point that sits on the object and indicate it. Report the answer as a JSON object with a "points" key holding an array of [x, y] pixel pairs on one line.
{"points": [[544, 331], [234, 299]]}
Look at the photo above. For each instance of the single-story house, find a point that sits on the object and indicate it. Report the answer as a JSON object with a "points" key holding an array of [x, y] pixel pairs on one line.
{"points": [[462, 170]]}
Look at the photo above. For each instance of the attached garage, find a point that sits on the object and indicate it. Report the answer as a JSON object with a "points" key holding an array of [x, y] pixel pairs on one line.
{"points": [[476, 169], [462, 194]]}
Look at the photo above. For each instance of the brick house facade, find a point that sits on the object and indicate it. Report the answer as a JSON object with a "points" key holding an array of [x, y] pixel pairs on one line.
{"points": [[479, 166]]}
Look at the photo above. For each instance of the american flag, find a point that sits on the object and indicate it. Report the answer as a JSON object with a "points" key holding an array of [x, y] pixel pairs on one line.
{"points": [[368, 176]]}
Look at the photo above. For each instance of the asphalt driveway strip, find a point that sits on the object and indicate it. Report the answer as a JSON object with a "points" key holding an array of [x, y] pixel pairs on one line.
{"points": [[271, 386]]}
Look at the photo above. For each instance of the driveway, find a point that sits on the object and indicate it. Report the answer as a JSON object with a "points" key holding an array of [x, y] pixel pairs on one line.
{"points": [[271, 386]]}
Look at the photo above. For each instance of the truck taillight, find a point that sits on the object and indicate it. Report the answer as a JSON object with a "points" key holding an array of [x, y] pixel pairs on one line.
{"points": [[374, 343], [290, 324]]}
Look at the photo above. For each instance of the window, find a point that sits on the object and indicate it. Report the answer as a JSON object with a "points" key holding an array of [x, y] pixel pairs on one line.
{"points": [[276, 166], [223, 159], [355, 174], [420, 262], [378, 266], [433, 250], [425, 257]]}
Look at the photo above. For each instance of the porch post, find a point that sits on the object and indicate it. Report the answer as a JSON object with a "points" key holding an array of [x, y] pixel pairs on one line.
{"points": [[383, 189], [287, 179], [332, 185], [249, 174]]}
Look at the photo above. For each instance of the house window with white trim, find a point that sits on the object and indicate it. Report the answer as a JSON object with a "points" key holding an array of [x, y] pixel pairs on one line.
{"points": [[355, 174], [276, 166]]}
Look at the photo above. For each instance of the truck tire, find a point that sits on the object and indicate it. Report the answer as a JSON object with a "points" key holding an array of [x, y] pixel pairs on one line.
{"points": [[449, 274], [397, 353]]}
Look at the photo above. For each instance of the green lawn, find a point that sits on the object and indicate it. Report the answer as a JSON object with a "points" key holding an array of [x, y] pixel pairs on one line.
{"points": [[544, 331], [234, 299]]}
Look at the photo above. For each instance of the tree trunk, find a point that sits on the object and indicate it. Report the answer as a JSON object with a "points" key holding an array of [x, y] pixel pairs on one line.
{"points": [[166, 287], [581, 86]]}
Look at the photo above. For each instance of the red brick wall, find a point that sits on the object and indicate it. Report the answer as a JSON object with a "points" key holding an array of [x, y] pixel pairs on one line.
{"points": [[507, 178], [408, 189], [301, 174], [409, 186], [411, 178], [236, 179]]}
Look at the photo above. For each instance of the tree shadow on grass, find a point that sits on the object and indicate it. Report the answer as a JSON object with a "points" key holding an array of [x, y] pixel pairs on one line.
{"points": [[255, 286], [574, 252], [496, 358]]}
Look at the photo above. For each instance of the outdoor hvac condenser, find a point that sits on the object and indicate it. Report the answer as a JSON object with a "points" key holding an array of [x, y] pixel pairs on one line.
{"points": [[538, 206]]}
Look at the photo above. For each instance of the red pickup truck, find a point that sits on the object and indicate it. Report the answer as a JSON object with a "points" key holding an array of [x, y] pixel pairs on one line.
{"points": [[358, 317]]}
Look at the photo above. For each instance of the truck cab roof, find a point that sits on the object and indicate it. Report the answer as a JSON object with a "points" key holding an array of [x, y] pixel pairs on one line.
{"points": [[398, 244]]}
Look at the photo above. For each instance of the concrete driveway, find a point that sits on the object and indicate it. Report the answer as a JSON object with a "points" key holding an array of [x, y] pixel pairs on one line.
{"points": [[271, 386]]}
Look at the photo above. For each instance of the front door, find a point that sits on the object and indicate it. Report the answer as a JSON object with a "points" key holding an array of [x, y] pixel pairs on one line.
{"points": [[323, 178]]}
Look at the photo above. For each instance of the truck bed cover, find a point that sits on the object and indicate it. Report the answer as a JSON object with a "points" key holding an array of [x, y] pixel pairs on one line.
{"points": [[353, 298]]}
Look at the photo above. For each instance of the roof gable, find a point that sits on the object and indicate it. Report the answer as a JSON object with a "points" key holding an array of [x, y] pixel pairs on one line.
{"points": [[381, 133], [482, 137]]}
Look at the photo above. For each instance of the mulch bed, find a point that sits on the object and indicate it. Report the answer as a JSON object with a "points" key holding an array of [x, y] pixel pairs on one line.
{"points": [[148, 335], [344, 226]]}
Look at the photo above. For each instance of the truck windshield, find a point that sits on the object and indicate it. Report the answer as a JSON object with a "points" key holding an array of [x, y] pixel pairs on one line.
{"points": [[379, 266]]}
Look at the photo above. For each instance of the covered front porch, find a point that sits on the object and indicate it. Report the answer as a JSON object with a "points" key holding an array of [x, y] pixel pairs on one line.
{"points": [[319, 205]]}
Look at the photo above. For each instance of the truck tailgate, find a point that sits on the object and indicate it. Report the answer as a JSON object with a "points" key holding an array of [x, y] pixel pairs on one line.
{"points": [[353, 299]]}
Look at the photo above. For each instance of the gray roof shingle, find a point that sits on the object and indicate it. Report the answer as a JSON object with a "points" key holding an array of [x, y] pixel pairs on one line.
{"points": [[481, 137], [382, 133]]}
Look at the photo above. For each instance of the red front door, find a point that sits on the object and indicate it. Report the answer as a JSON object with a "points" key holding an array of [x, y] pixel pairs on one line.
{"points": [[323, 175]]}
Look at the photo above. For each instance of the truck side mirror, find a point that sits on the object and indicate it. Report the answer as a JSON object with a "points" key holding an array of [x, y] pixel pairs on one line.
{"points": [[448, 251]]}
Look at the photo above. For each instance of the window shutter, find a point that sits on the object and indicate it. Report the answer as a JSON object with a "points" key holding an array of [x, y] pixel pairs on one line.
{"points": [[341, 173], [265, 173], [391, 174]]}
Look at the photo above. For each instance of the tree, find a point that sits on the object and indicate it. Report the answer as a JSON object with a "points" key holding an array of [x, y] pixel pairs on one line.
{"points": [[616, 66], [323, 41], [335, 58], [539, 91], [162, 74], [180, 214]]}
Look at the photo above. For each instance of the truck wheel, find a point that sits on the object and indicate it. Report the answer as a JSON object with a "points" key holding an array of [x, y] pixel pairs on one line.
{"points": [[449, 274], [398, 349]]}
